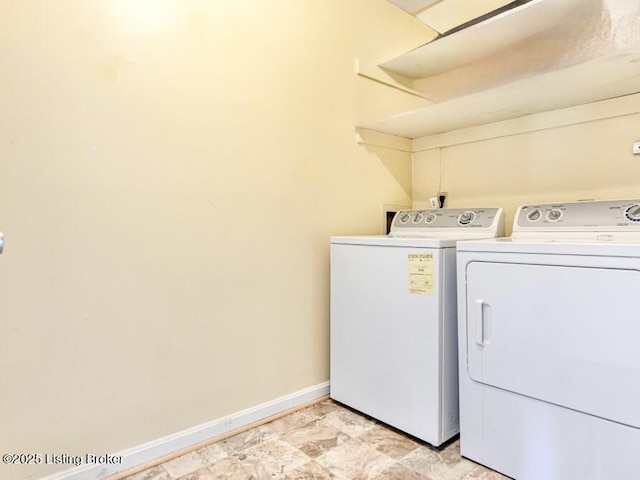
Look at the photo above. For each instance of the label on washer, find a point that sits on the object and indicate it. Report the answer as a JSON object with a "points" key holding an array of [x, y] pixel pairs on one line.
{"points": [[421, 274]]}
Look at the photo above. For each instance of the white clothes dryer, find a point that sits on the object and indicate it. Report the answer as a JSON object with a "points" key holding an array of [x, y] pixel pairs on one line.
{"points": [[393, 319], [549, 344]]}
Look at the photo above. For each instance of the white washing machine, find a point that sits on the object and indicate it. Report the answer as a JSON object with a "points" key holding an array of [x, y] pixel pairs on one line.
{"points": [[393, 319], [549, 344]]}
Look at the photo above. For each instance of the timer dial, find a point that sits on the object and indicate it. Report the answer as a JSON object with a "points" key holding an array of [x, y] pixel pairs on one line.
{"points": [[467, 217], [633, 213]]}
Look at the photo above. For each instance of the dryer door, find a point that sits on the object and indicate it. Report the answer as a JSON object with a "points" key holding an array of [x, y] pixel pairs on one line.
{"points": [[565, 335]]}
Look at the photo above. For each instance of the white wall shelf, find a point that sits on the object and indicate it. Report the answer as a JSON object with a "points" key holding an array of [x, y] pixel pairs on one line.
{"points": [[541, 56]]}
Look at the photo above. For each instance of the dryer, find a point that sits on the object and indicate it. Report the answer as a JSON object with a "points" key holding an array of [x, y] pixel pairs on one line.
{"points": [[549, 344], [393, 319]]}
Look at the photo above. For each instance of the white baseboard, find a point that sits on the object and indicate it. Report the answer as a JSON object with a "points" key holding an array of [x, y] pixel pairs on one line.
{"points": [[193, 436]]}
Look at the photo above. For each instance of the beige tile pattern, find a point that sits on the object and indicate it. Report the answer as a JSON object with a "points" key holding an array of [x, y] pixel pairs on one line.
{"points": [[323, 441]]}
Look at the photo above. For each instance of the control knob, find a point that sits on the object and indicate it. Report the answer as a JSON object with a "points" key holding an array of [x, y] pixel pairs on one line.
{"points": [[429, 218], [554, 215], [466, 218], [633, 213], [534, 215]]}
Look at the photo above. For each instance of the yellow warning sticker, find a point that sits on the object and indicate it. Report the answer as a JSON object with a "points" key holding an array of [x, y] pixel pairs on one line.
{"points": [[421, 274]]}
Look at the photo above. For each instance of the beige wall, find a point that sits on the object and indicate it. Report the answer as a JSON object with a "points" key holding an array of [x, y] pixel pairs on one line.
{"points": [[534, 159], [170, 173]]}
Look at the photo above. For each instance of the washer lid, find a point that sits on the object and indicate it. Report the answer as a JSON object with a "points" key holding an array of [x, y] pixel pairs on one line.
{"points": [[389, 241]]}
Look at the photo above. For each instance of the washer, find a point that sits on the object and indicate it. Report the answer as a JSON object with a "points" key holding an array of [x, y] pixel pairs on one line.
{"points": [[393, 319], [549, 344]]}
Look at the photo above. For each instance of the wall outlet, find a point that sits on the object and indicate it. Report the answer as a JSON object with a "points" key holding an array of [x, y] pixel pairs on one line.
{"points": [[442, 199], [439, 200], [636, 148]]}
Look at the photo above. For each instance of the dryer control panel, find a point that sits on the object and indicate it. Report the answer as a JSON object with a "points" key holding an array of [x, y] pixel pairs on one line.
{"points": [[587, 216], [413, 222]]}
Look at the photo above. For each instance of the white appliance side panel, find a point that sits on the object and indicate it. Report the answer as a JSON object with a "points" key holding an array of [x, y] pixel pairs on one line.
{"points": [[563, 335], [386, 341], [450, 391]]}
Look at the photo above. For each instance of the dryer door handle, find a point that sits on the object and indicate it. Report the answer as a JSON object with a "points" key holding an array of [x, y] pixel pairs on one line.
{"points": [[480, 323]]}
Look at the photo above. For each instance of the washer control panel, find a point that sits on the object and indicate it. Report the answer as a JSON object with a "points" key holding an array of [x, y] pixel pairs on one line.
{"points": [[600, 215], [412, 221]]}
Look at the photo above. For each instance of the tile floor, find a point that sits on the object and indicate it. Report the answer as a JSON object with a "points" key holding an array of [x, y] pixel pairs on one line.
{"points": [[323, 441]]}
